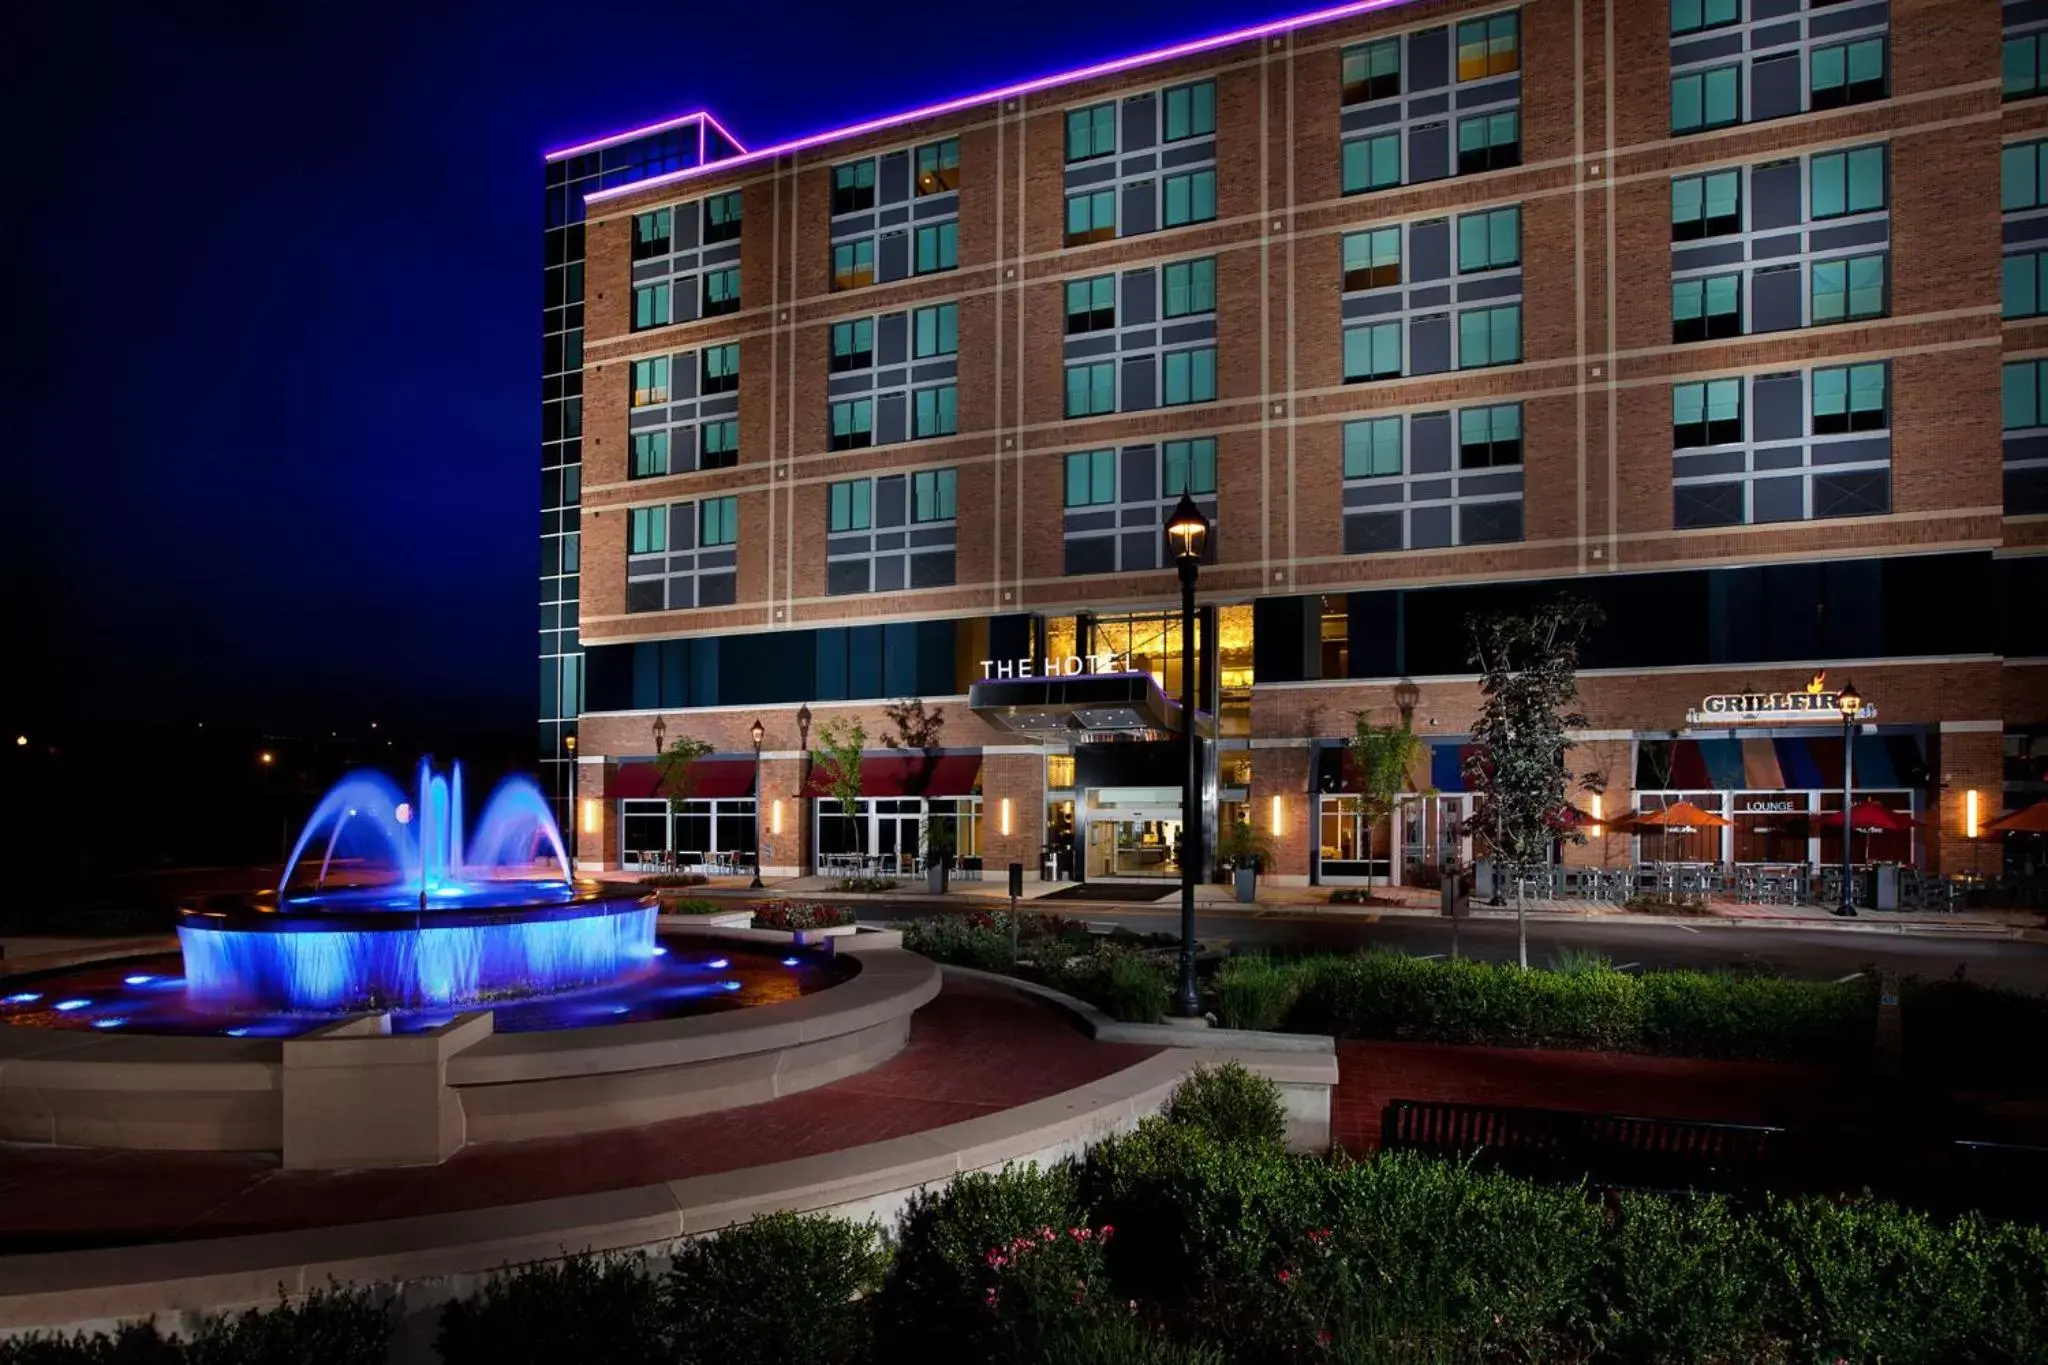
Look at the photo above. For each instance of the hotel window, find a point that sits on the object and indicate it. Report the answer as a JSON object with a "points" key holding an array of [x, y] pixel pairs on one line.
{"points": [[653, 234], [1372, 352], [1372, 260], [650, 381], [1692, 16], [721, 291], [852, 507], [1091, 217], [1190, 467], [2023, 69], [1372, 448], [1059, 772], [651, 306], [1190, 287], [853, 345], [853, 264], [1489, 142], [2023, 177], [931, 495], [1706, 99], [1189, 376], [650, 454], [1706, 206], [1091, 304], [938, 248], [1845, 290], [722, 217], [853, 187], [938, 167], [1190, 111], [1706, 414], [2025, 395], [2026, 285], [1850, 398], [1091, 389], [1372, 71], [853, 424], [721, 368], [1490, 336], [1372, 163], [935, 331], [1091, 478], [572, 552], [1843, 183], [1490, 437], [1091, 132], [718, 521], [649, 530], [1489, 47], [1190, 198], [935, 412], [719, 444], [1489, 241], [1846, 73], [1706, 310]]}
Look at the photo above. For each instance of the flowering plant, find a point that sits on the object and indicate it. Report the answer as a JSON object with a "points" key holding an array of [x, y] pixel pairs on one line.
{"points": [[1047, 1284], [794, 915]]}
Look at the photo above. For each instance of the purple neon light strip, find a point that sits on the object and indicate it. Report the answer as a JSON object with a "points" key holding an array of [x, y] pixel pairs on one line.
{"points": [[1108, 68], [697, 116]]}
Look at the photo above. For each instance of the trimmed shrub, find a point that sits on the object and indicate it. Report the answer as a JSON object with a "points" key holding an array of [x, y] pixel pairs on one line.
{"points": [[1946, 1023], [934, 1297], [783, 1289], [1253, 991], [1686, 1279], [963, 940], [135, 1344], [332, 1326], [1135, 988], [798, 915], [583, 1308], [1232, 1105], [1712, 1014], [693, 906], [865, 886], [673, 879]]}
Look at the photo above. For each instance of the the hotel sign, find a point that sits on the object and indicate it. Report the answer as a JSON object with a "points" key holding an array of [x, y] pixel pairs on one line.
{"points": [[1073, 665], [1812, 703]]}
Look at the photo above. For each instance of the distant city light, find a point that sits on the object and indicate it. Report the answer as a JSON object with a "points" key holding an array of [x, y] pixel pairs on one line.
{"points": [[21, 741], [266, 757]]}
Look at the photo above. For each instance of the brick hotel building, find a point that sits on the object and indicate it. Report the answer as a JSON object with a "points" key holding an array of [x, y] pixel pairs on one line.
{"points": [[1728, 315]]}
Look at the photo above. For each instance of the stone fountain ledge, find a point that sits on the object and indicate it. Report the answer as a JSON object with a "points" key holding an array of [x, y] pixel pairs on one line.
{"points": [[351, 1095]]}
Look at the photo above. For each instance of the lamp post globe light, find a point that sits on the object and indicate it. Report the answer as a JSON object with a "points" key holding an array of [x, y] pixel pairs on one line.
{"points": [[803, 789], [759, 731], [660, 728], [1850, 702], [1187, 533]]}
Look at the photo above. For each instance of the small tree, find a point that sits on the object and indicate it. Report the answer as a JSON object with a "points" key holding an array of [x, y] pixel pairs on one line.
{"points": [[1528, 684], [676, 771], [1383, 756], [841, 745], [915, 728]]}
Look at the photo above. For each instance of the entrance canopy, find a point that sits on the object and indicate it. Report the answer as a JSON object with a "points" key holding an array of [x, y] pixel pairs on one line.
{"points": [[717, 779], [1066, 708]]}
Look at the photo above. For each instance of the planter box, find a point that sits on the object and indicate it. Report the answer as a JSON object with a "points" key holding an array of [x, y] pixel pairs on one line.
{"points": [[1247, 879]]}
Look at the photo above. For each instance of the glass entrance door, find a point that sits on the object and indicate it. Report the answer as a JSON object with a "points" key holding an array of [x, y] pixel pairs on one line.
{"points": [[898, 840], [1132, 832]]}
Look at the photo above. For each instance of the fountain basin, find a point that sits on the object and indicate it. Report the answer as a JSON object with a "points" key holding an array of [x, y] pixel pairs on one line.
{"points": [[373, 949]]}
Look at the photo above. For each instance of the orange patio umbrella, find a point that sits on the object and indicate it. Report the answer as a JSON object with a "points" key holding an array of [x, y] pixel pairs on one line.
{"points": [[1683, 815], [2032, 820]]}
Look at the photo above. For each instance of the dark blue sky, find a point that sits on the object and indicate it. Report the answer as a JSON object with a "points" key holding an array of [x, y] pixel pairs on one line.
{"points": [[272, 343]]}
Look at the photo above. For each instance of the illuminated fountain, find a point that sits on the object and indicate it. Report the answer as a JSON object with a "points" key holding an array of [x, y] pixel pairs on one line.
{"points": [[424, 917]]}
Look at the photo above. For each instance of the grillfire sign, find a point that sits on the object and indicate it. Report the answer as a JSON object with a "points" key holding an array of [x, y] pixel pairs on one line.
{"points": [[1814, 702]]}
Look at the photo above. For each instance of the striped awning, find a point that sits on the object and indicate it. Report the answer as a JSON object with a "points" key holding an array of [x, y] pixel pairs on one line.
{"points": [[1780, 763]]}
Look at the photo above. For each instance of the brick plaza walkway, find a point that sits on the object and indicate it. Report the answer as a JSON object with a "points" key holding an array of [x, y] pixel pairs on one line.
{"points": [[975, 1050]]}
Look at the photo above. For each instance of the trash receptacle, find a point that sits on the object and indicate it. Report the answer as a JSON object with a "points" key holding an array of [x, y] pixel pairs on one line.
{"points": [[1455, 892], [1887, 888]]}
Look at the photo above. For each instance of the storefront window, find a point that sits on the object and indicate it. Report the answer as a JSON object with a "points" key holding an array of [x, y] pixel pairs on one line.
{"points": [[1062, 638], [1059, 772], [1150, 643], [1771, 827], [697, 833], [1234, 768], [895, 830], [1352, 845], [1679, 843], [1234, 670]]}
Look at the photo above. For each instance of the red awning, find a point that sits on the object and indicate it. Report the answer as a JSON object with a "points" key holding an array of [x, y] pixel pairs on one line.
{"points": [[716, 778], [911, 774]]}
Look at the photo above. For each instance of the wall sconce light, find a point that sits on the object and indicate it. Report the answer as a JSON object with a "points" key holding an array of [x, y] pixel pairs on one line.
{"points": [[1006, 815], [1970, 813], [775, 818], [590, 816], [1277, 827]]}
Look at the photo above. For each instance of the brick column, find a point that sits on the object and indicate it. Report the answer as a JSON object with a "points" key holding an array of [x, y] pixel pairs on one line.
{"points": [[1283, 773], [1972, 759], [596, 850], [1019, 778], [1613, 758], [782, 854]]}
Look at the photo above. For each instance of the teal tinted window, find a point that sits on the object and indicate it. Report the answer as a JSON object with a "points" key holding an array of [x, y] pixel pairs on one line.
{"points": [[1706, 205], [1091, 217], [1706, 99], [2021, 67], [721, 290], [1189, 287], [1850, 398], [1091, 389], [721, 366], [1846, 289], [1846, 73], [931, 495], [934, 411], [1188, 376], [2026, 395], [1372, 352], [650, 454], [1491, 240], [938, 248], [1706, 414], [1690, 16], [718, 521], [719, 442], [1091, 304], [2024, 285], [1489, 336], [852, 509], [1190, 110], [1091, 132], [2023, 176], [650, 381], [651, 306], [938, 166], [853, 423], [853, 264], [1372, 260], [647, 530], [1841, 183], [853, 344], [1091, 478], [1189, 467], [1372, 71], [936, 330], [1490, 436], [1190, 198], [1372, 163], [652, 234], [1372, 449]]}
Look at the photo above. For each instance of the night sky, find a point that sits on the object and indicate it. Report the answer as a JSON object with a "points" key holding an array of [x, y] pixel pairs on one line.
{"points": [[273, 329]]}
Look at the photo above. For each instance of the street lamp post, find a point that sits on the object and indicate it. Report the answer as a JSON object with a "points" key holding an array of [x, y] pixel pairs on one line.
{"points": [[1186, 534], [758, 732], [660, 728], [803, 790], [1850, 703]]}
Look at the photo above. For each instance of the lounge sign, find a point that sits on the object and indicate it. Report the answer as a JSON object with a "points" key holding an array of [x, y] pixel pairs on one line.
{"points": [[1816, 701], [1071, 666]]}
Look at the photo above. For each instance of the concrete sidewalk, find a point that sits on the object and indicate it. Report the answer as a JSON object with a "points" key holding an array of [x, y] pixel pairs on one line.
{"points": [[1394, 903]]}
